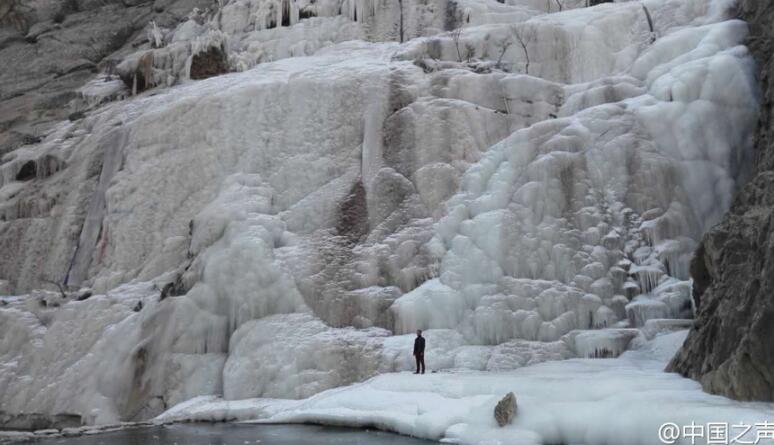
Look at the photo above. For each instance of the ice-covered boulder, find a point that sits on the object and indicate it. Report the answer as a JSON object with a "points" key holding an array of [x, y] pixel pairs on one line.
{"points": [[655, 327], [603, 343]]}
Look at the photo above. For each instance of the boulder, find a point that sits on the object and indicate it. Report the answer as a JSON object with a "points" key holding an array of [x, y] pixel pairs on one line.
{"points": [[505, 409]]}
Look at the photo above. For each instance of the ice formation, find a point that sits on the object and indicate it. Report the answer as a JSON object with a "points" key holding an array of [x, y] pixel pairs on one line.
{"points": [[526, 188]]}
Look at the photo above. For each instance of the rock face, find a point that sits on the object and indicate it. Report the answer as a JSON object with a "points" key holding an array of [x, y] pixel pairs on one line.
{"points": [[52, 48], [505, 409], [730, 349]]}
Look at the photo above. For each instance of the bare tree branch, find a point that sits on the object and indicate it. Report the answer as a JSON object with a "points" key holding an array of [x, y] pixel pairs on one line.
{"points": [[455, 36], [57, 284], [650, 23], [470, 51], [523, 40], [504, 44]]}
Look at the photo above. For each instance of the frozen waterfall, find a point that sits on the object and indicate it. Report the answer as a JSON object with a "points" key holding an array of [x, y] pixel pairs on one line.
{"points": [[527, 188]]}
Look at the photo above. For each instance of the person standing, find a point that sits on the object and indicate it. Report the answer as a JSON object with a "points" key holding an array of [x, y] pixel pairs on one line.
{"points": [[419, 351]]}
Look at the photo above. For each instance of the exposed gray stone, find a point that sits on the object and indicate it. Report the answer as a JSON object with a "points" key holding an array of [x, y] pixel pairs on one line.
{"points": [[730, 349], [36, 421], [50, 48], [505, 409]]}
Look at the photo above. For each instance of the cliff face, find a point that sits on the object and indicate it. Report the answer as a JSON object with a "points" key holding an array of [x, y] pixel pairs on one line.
{"points": [[49, 50], [52, 48], [730, 349]]}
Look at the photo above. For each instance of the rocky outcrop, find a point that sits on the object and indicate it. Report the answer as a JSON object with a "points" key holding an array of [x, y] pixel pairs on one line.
{"points": [[37, 421], [730, 349], [209, 63], [50, 48], [505, 409]]}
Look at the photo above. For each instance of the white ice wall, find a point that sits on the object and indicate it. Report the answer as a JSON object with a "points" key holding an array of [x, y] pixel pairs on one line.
{"points": [[304, 209]]}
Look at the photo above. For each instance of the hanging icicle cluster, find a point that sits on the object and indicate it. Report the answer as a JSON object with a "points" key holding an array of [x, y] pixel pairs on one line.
{"points": [[274, 13]]}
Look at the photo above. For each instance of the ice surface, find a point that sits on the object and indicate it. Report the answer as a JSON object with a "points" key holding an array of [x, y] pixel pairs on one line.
{"points": [[614, 401], [261, 364], [602, 343], [354, 179], [548, 204]]}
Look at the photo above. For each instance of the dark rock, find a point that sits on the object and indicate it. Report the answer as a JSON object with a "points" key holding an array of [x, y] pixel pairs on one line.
{"points": [[730, 348], [52, 60], [306, 13], [11, 140], [453, 16], [38, 421], [138, 306], [353, 214], [65, 8], [166, 291], [701, 276], [505, 409], [28, 171], [210, 63], [84, 295], [173, 289], [75, 116]]}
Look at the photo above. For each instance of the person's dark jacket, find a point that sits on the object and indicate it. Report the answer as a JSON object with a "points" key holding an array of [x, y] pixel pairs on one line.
{"points": [[419, 345]]}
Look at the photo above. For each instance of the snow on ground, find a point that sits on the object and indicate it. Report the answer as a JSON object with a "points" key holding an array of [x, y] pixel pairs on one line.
{"points": [[621, 401]]}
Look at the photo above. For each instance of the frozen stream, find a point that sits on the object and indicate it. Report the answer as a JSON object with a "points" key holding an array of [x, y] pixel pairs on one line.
{"points": [[237, 434]]}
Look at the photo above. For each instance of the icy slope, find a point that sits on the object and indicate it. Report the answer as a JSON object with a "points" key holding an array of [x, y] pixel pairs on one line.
{"points": [[264, 233], [620, 401], [572, 202]]}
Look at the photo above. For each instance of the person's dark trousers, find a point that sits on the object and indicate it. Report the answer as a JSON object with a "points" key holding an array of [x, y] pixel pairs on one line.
{"points": [[420, 361]]}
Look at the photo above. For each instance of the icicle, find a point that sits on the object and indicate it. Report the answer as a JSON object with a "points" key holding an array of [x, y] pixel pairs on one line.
{"points": [[155, 35], [294, 13], [351, 10]]}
